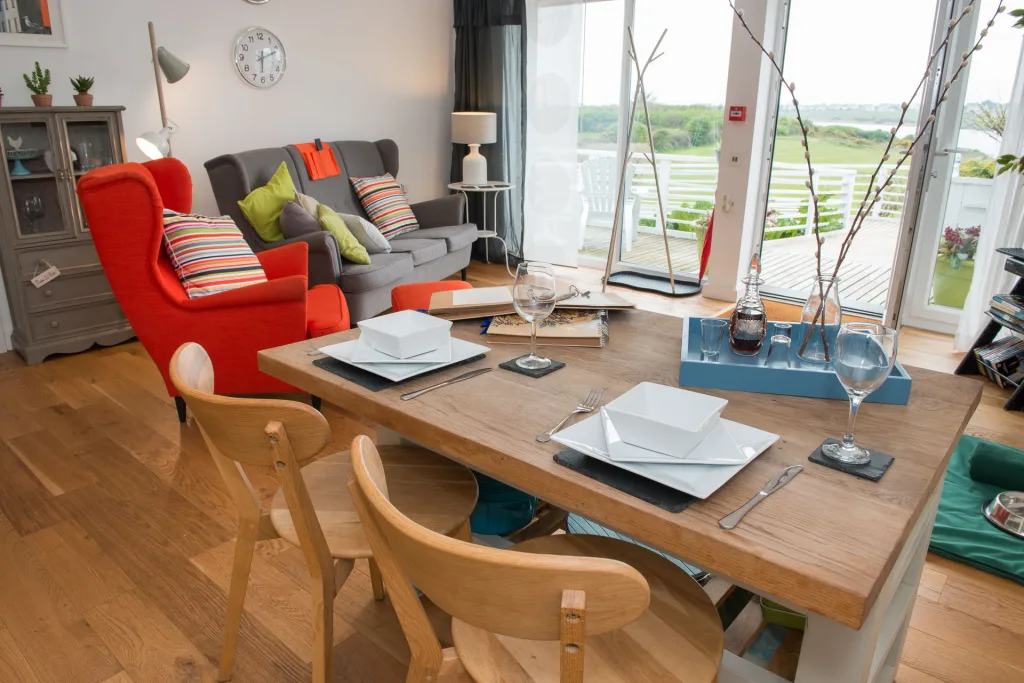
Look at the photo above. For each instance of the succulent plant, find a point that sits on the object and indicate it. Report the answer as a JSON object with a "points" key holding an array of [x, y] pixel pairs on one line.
{"points": [[39, 81], [83, 84]]}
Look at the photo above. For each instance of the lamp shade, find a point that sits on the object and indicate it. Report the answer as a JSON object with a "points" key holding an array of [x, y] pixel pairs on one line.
{"points": [[474, 127], [155, 144], [174, 68]]}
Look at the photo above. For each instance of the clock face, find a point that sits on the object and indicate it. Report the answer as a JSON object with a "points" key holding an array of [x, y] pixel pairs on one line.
{"points": [[260, 58]]}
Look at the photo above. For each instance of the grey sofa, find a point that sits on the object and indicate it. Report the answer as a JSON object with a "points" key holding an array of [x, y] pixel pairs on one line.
{"points": [[440, 248]]}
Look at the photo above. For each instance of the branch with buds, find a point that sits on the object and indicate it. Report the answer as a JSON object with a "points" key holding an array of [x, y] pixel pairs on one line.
{"points": [[874, 191]]}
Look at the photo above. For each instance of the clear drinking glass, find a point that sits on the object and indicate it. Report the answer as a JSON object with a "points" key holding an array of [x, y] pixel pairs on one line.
{"points": [[864, 356], [780, 346], [712, 332], [534, 299]]}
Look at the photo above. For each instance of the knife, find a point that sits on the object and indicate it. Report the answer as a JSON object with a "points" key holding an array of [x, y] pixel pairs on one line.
{"points": [[777, 482], [461, 378]]}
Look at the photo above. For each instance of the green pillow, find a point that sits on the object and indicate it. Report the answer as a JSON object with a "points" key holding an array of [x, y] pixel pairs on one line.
{"points": [[263, 205], [348, 245]]}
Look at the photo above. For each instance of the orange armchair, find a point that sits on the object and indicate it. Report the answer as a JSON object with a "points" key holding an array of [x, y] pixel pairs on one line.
{"points": [[124, 207]]}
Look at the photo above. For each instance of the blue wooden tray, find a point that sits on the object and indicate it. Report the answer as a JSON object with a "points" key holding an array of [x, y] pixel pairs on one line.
{"points": [[748, 373]]}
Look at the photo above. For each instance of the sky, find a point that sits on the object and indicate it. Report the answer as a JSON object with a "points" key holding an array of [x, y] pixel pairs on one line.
{"points": [[864, 52]]}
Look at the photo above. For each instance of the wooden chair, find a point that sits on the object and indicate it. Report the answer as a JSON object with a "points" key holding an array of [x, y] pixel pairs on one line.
{"points": [[312, 508], [560, 607]]}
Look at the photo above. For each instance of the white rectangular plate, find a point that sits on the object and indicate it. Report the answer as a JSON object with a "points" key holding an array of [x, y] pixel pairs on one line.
{"points": [[364, 353], [587, 437], [396, 372]]}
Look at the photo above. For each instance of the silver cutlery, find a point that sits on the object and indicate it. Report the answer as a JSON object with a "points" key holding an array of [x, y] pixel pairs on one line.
{"points": [[589, 404], [777, 482], [461, 378]]}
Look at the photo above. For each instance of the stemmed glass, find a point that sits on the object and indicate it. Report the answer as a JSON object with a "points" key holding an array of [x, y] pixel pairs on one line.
{"points": [[864, 356], [534, 299], [32, 210]]}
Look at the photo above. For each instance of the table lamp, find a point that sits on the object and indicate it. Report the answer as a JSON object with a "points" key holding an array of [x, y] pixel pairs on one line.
{"points": [[157, 144], [474, 128]]}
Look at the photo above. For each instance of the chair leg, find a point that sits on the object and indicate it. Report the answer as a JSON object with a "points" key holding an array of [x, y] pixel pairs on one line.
{"points": [[245, 546], [465, 274], [323, 633], [376, 580], [317, 403], [179, 403]]}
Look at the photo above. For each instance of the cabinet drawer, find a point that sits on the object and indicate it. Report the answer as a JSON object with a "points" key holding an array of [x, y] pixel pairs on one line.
{"points": [[65, 290], [60, 323], [70, 258]]}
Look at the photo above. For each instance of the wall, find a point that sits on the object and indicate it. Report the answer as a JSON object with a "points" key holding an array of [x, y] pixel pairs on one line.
{"points": [[356, 70]]}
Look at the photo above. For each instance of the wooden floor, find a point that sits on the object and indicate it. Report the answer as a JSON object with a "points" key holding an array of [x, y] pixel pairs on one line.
{"points": [[115, 542]]}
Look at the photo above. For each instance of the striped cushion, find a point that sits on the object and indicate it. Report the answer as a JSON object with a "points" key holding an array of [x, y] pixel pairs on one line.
{"points": [[385, 204], [209, 254]]}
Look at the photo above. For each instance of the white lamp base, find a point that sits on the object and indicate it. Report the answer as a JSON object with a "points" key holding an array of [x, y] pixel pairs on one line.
{"points": [[474, 167]]}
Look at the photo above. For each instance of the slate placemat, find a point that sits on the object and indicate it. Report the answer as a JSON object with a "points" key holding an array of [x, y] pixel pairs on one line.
{"points": [[511, 366], [373, 382], [873, 470], [632, 484]]}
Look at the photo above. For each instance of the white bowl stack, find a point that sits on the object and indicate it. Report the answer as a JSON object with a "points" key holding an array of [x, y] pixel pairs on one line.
{"points": [[406, 334]]}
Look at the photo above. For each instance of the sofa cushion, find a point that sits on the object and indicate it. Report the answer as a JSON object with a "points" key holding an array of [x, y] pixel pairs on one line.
{"points": [[385, 204], [263, 205], [455, 236], [383, 270], [422, 251], [367, 234], [326, 311], [348, 245], [209, 254], [296, 221]]}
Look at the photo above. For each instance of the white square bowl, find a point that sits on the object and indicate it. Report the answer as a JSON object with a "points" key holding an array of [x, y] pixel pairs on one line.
{"points": [[406, 333], [664, 419]]}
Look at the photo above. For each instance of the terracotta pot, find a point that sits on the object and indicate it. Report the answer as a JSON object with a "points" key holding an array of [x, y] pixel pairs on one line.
{"points": [[83, 99], [42, 100]]}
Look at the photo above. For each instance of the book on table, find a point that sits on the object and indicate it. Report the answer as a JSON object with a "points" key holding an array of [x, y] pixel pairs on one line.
{"points": [[484, 302], [561, 328]]}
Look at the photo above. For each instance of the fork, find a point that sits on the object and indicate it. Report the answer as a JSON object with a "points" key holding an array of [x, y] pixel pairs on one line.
{"points": [[589, 404]]}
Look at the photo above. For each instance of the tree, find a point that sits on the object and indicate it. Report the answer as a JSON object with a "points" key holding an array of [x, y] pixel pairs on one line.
{"points": [[700, 131], [989, 118]]}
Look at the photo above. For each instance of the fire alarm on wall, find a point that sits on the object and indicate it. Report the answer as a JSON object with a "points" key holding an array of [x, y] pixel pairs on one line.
{"points": [[737, 113]]}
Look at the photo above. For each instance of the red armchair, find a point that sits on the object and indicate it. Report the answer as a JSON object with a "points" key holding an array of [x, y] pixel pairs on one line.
{"points": [[124, 207]]}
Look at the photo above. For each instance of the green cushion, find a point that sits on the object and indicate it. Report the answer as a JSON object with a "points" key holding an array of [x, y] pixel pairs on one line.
{"points": [[263, 205], [998, 465], [348, 245]]}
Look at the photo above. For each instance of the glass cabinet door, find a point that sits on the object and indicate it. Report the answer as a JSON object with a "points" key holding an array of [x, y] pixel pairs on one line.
{"points": [[90, 144], [35, 169]]}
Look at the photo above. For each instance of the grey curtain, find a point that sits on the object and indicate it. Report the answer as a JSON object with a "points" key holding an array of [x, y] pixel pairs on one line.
{"points": [[490, 75]]}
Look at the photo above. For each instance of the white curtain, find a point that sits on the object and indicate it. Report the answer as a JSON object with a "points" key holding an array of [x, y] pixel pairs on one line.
{"points": [[1004, 226], [553, 208]]}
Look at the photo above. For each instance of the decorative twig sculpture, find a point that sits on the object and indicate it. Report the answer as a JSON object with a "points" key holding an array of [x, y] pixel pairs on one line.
{"points": [[876, 186], [639, 95]]}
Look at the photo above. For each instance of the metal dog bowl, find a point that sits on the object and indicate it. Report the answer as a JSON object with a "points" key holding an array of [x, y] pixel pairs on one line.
{"points": [[1006, 511]]}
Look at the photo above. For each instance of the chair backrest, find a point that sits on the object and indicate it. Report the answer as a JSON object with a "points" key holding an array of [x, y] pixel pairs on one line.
{"points": [[263, 432], [601, 182], [516, 594]]}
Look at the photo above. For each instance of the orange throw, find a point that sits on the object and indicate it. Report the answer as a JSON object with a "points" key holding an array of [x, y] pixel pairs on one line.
{"points": [[320, 163]]}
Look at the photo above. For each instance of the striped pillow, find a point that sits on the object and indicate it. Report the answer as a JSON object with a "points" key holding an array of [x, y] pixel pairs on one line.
{"points": [[385, 204], [209, 254]]}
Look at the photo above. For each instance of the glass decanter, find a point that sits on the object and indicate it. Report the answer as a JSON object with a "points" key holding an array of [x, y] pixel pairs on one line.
{"points": [[749, 322]]}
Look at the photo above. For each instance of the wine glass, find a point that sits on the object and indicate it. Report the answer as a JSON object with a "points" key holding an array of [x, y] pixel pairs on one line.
{"points": [[32, 210], [534, 299], [864, 356]]}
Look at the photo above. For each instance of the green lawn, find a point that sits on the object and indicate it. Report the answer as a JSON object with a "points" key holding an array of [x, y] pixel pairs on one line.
{"points": [[788, 150]]}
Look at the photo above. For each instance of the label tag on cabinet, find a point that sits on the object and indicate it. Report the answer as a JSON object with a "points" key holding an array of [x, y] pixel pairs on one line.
{"points": [[47, 275]]}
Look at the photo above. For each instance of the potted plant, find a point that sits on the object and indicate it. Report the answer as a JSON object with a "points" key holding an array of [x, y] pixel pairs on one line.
{"points": [[82, 86], [954, 266], [39, 83]]}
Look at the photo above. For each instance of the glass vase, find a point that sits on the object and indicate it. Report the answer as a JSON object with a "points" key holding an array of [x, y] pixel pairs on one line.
{"points": [[749, 322], [822, 319]]}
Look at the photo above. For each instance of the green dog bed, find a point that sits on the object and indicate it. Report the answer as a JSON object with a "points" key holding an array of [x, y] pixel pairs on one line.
{"points": [[961, 531]]}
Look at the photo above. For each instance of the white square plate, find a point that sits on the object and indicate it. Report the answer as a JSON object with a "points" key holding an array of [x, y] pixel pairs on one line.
{"points": [[396, 372], [717, 448], [587, 437], [364, 353]]}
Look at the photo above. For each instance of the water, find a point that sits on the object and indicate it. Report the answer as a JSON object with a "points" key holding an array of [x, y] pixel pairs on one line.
{"points": [[862, 374], [969, 139]]}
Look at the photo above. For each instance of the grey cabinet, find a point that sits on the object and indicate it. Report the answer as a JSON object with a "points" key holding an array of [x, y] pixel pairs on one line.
{"points": [[45, 151]]}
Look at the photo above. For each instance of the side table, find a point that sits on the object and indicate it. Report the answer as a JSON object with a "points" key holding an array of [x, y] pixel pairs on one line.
{"points": [[495, 186]]}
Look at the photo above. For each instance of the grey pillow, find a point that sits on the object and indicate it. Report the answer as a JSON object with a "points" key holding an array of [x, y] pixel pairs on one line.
{"points": [[307, 203], [367, 234], [296, 221]]}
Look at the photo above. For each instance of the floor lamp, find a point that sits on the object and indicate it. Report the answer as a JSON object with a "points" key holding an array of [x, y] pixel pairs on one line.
{"points": [[157, 144]]}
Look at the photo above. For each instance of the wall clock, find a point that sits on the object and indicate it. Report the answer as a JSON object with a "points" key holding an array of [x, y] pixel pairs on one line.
{"points": [[260, 57]]}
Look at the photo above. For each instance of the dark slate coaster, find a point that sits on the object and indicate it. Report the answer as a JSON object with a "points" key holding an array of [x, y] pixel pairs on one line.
{"points": [[536, 374], [373, 382], [632, 484], [873, 470]]}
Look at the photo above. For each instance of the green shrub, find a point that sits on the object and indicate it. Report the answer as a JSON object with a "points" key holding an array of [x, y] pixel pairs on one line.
{"points": [[978, 168]]}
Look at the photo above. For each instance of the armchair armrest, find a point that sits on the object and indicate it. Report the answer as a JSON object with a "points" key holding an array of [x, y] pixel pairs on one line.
{"points": [[286, 290], [324, 259], [291, 259], [436, 213]]}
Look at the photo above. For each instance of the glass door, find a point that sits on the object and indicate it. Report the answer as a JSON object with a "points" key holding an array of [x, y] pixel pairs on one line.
{"points": [[959, 187], [91, 142], [35, 169], [850, 94]]}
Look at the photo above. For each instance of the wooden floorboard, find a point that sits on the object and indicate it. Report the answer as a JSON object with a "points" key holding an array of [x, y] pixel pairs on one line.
{"points": [[115, 534]]}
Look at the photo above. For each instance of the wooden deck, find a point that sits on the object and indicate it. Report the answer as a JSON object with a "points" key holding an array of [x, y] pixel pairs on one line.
{"points": [[787, 264]]}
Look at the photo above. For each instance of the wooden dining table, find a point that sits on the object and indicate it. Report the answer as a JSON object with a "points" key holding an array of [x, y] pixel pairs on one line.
{"points": [[845, 551]]}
